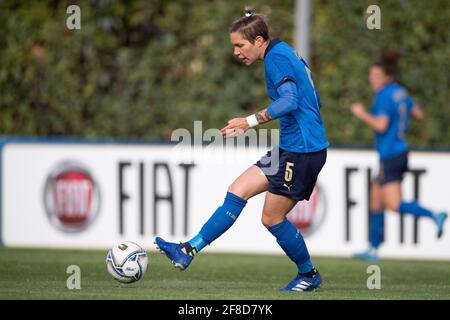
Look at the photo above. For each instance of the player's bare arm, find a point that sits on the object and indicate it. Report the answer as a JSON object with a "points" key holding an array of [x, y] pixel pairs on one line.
{"points": [[379, 124], [263, 116], [237, 126], [417, 113]]}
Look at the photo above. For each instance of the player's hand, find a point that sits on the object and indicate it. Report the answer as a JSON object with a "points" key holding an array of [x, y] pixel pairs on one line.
{"points": [[358, 109], [235, 127]]}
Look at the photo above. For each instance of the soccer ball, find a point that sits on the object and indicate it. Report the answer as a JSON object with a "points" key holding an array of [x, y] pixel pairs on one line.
{"points": [[127, 262]]}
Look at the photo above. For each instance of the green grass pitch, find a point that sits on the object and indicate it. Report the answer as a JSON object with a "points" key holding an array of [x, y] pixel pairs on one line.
{"points": [[41, 274]]}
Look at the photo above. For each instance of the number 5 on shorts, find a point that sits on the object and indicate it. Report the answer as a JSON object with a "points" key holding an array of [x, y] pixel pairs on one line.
{"points": [[288, 173]]}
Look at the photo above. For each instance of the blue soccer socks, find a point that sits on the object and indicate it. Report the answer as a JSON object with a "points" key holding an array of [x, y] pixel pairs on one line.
{"points": [[293, 244], [376, 228], [376, 236], [222, 219], [414, 208], [418, 211]]}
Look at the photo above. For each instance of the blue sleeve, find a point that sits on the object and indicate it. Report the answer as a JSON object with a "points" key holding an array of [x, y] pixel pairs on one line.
{"points": [[401, 96], [381, 106], [287, 102], [279, 69]]}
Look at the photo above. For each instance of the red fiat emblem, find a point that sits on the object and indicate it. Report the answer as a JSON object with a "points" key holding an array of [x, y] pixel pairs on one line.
{"points": [[307, 216], [71, 197]]}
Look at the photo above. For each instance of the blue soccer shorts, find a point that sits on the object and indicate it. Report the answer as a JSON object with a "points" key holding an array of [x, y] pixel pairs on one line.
{"points": [[393, 169], [291, 174]]}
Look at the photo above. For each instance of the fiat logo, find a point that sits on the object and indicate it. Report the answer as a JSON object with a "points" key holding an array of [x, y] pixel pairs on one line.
{"points": [[71, 197], [307, 216]]}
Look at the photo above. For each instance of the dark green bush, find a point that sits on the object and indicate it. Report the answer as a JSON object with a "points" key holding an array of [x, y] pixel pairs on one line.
{"points": [[139, 69]]}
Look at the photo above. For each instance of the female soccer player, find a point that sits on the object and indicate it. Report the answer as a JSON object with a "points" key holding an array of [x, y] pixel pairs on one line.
{"points": [[301, 153], [389, 116]]}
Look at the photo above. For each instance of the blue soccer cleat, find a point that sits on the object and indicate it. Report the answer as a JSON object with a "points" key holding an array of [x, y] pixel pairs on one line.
{"points": [[440, 220], [366, 255], [174, 252], [302, 283]]}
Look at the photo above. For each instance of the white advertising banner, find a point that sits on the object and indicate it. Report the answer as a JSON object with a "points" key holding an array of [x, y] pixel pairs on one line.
{"points": [[94, 195]]}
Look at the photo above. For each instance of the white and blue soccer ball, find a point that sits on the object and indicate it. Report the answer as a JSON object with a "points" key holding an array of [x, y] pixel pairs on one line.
{"points": [[127, 262]]}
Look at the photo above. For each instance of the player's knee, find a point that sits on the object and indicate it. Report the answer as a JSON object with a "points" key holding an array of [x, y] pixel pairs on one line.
{"points": [[266, 221], [392, 206], [269, 220], [235, 189], [376, 207]]}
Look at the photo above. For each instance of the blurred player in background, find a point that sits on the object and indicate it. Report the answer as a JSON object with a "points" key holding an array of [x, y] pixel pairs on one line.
{"points": [[301, 153], [389, 117]]}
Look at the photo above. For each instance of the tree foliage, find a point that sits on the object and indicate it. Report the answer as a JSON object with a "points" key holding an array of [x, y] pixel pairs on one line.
{"points": [[140, 69]]}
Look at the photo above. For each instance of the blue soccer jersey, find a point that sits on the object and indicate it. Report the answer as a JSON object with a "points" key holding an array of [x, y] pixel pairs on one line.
{"points": [[394, 102], [301, 129]]}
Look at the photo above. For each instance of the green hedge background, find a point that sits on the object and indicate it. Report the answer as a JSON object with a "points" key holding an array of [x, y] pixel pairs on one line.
{"points": [[140, 69]]}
